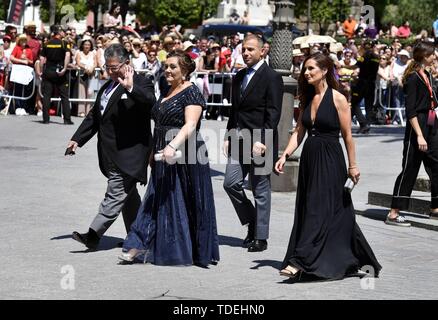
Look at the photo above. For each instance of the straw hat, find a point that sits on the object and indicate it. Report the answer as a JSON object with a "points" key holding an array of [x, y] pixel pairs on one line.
{"points": [[136, 41], [155, 37], [297, 53], [187, 44], [30, 24]]}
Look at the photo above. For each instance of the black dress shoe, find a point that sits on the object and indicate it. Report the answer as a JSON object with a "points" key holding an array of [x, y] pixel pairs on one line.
{"points": [[45, 122], [68, 122], [89, 239], [258, 245], [247, 241], [249, 237]]}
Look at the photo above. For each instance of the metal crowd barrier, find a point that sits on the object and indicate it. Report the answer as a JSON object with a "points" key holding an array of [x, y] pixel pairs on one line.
{"points": [[10, 88], [5, 94], [219, 87], [378, 98], [218, 94]]}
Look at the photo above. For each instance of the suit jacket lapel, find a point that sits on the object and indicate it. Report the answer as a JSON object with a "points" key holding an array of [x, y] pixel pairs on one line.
{"points": [[253, 81]]}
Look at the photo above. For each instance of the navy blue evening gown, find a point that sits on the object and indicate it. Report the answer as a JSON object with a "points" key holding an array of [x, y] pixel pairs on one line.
{"points": [[176, 222]]}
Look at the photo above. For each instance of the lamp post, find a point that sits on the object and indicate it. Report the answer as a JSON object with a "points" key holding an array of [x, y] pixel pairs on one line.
{"points": [[281, 61]]}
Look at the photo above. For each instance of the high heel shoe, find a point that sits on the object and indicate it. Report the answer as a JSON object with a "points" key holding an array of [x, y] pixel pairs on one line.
{"points": [[287, 272], [131, 255]]}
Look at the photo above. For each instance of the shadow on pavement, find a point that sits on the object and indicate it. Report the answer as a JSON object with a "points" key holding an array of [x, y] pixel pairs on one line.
{"points": [[230, 241], [308, 278], [267, 263], [215, 173], [106, 243]]}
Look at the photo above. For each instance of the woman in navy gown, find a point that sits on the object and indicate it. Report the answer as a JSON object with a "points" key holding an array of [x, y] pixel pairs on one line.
{"points": [[326, 241], [176, 223]]}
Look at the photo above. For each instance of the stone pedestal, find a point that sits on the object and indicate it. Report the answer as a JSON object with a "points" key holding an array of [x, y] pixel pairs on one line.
{"points": [[288, 181]]}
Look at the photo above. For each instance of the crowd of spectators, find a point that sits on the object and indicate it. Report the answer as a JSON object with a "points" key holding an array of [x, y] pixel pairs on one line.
{"points": [[148, 50]]}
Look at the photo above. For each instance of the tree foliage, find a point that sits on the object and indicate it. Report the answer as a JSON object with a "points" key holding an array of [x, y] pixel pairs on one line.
{"points": [[4, 6], [323, 12], [188, 13], [420, 13], [80, 10]]}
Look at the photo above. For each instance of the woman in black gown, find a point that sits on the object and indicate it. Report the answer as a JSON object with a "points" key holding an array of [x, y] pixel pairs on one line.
{"points": [[326, 241], [176, 222]]}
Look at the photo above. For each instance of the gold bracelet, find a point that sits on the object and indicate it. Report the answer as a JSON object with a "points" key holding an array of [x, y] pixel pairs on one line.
{"points": [[352, 167]]}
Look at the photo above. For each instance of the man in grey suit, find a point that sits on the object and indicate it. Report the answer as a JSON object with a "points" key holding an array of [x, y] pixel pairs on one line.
{"points": [[121, 119], [252, 135]]}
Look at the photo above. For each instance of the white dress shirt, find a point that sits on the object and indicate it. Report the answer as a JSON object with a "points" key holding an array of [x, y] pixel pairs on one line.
{"points": [[249, 75], [106, 95]]}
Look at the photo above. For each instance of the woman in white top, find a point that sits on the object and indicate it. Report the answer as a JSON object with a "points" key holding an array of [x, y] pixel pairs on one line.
{"points": [[398, 68], [138, 62], [382, 83], [86, 62], [113, 18]]}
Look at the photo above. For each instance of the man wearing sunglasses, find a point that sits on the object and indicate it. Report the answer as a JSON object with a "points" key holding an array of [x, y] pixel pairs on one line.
{"points": [[121, 118]]}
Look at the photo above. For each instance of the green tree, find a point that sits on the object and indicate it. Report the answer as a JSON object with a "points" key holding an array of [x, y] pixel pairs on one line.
{"points": [[323, 12], [188, 13], [80, 9], [4, 6], [419, 13]]}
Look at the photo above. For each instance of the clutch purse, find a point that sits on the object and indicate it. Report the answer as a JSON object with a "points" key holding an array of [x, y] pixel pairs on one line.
{"points": [[349, 185]]}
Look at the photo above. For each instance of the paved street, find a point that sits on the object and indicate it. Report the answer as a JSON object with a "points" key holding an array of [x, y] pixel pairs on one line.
{"points": [[44, 196]]}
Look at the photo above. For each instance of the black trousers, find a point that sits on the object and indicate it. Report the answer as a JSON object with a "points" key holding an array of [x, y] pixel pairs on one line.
{"points": [[47, 91], [412, 159], [362, 90]]}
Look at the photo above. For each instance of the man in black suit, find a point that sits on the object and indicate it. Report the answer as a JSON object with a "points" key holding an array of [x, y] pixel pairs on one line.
{"points": [[121, 119], [251, 143]]}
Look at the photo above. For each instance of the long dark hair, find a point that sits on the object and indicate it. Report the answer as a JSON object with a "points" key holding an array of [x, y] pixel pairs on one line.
{"points": [[306, 91], [113, 7], [421, 50]]}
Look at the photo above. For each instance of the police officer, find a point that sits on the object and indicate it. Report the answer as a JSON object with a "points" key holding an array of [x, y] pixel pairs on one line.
{"points": [[55, 57]]}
